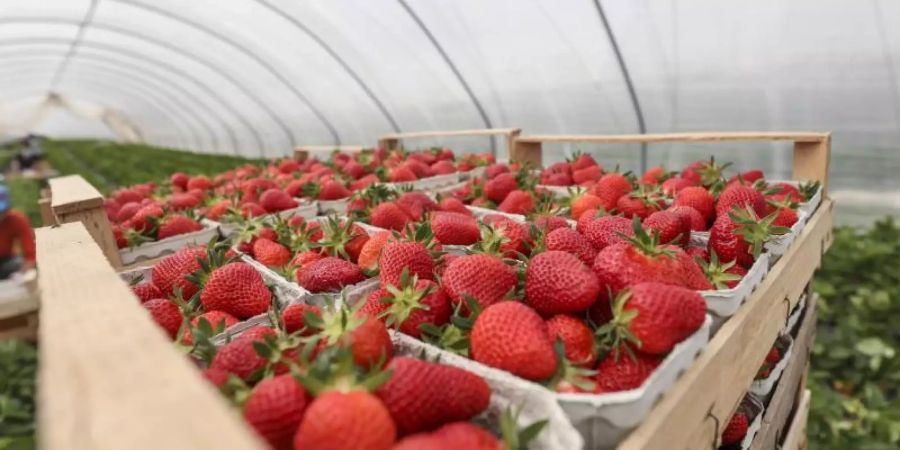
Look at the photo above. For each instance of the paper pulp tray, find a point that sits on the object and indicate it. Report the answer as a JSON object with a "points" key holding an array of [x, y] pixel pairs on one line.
{"points": [[537, 402], [169, 245], [764, 387], [604, 419], [306, 210], [474, 173], [725, 302], [429, 183], [778, 245], [756, 409], [561, 191], [794, 319], [480, 213], [333, 206]]}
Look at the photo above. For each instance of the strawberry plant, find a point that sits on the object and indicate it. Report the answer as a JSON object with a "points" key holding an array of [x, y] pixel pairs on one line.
{"points": [[18, 367]]}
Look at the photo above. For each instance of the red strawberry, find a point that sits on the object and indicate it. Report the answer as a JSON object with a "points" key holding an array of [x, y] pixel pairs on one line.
{"points": [[217, 377], [485, 278], [586, 218], [569, 240], [127, 211], [636, 205], [653, 175], [402, 174], [690, 216], [237, 289], [608, 230], [371, 251], [238, 357], [166, 314], [549, 223], [786, 191], [587, 174], [610, 188], [623, 371], [457, 435], [332, 190], [698, 198], [493, 170], [674, 185], [171, 272], [556, 179], [271, 253], [146, 292], [442, 394], [739, 236], [497, 188], [577, 338], [409, 305], [274, 200], [179, 179], [199, 182], [452, 204], [293, 317], [517, 202], [748, 177], [390, 216], [786, 217], [344, 239], [672, 229], [739, 196], [583, 161], [514, 237], [252, 210], [443, 167], [452, 228], [175, 225], [511, 336], [366, 336], [654, 317], [128, 195], [141, 219], [274, 409], [557, 282], [416, 204], [584, 202], [183, 201], [773, 356], [397, 256], [218, 321], [736, 429], [329, 274], [344, 420]]}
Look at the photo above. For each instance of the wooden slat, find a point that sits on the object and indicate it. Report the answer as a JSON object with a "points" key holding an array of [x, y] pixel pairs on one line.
{"points": [[714, 136], [796, 437], [453, 133], [790, 387], [709, 391], [301, 152], [109, 378], [73, 193]]}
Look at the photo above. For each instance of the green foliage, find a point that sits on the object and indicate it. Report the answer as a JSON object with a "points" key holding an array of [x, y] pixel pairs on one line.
{"points": [[18, 365], [24, 194], [855, 373]]}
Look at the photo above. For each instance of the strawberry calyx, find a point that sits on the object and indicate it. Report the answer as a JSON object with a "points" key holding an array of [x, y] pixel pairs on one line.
{"points": [[717, 272], [454, 335], [404, 299], [753, 230], [333, 369], [337, 235], [809, 189], [492, 238], [616, 334], [215, 257], [711, 172], [512, 436], [569, 374], [645, 243]]}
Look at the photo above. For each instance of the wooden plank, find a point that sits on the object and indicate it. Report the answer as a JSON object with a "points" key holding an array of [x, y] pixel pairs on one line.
{"points": [[796, 436], [301, 152], [712, 136], [97, 224], [392, 141], [73, 193], [709, 391], [790, 387], [109, 378], [811, 160], [19, 327]]}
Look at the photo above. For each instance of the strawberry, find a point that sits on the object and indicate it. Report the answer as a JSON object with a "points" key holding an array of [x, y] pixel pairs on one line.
{"points": [[179, 202], [558, 282], [371, 251], [146, 292], [748, 177], [577, 338], [608, 230], [365, 336], [623, 371], [271, 253], [303, 260], [127, 211], [587, 174], [329, 274], [671, 228], [722, 275], [411, 256], [610, 188], [332, 190], [166, 314], [443, 168], [637, 204], [217, 377], [252, 210], [452, 228], [785, 191], [497, 188], [691, 216], [587, 217], [452, 204], [456, 435], [582, 161], [786, 217], [416, 204], [736, 429], [390, 216], [142, 218], [177, 224], [343, 420], [698, 198], [402, 174], [441, 393], [569, 240], [740, 235], [274, 409], [653, 175], [218, 321], [354, 169], [493, 170], [238, 357], [674, 185], [698, 252], [127, 196], [557, 179], [581, 203], [344, 239], [514, 238], [739, 196], [517, 202], [511, 336], [274, 200], [179, 179], [199, 182], [485, 278], [409, 305], [171, 272], [549, 223], [293, 315], [236, 289], [654, 317]]}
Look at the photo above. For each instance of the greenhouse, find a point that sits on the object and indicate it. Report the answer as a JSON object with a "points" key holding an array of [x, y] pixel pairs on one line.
{"points": [[412, 224]]}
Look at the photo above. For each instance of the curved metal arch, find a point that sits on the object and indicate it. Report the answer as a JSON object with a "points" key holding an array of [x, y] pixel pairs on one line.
{"points": [[246, 51], [156, 63], [334, 54], [170, 47], [73, 47], [137, 91], [169, 90], [462, 81]]}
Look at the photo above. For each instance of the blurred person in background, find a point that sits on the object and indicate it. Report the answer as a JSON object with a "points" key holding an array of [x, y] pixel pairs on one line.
{"points": [[15, 228]]}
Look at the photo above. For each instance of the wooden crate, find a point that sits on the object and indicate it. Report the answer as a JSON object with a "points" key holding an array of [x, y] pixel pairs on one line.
{"points": [[73, 199], [18, 309], [692, 414], [109, 378], [392, 141], [796, 435]]}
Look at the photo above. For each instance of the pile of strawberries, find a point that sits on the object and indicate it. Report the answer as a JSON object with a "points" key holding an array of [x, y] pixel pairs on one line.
{"points": [[137, 217]]}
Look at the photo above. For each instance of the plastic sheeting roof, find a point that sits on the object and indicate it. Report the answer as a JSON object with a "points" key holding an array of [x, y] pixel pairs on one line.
{"points": [[255, 77]]}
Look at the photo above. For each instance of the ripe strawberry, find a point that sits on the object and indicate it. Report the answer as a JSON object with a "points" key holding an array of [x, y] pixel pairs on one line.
{"points": [[556, 179], [442, 394], [402, 174], [252, 210], [577, 338], [166, 314], [452, 228], [511, 336], [238, 357], [722, 275], [332, 190], [218, 321], [452, 204], [179, 179], [583, 161], [587, 174], [497, 188], [146, 292], [293, 314], [698, 198], [654, 317], [690, 216], [127, 211], [491, 171], [274, 200], [343, 420], [736, 429], [274, 409], [303, 260], [343, 238], [623, 371], [371, 251], [217, 377], [773, 356], [171, 272], [653, 175], [416, 204], [748, 177], [587, 217], [400, 255], [514, 237], [456, 435], [610, 188], [557, 282], [739, 196], [786, 217], [485, 278], [739, 236], [409, 305], [127, 196], [569, 240], [637, 205], [365, 336], [271, 253], [671, 227], [549, 223], [786, 191], [584, 202], [443, 167], [200, 182], [141, 219], [177, 224], [329, 274], [674, 185], [390, 216], [179, 202], [517, 202], [608, 230], [237, 289]]}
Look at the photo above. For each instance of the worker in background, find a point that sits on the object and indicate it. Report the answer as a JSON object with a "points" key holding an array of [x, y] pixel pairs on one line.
{"points": [[15, 228]]}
